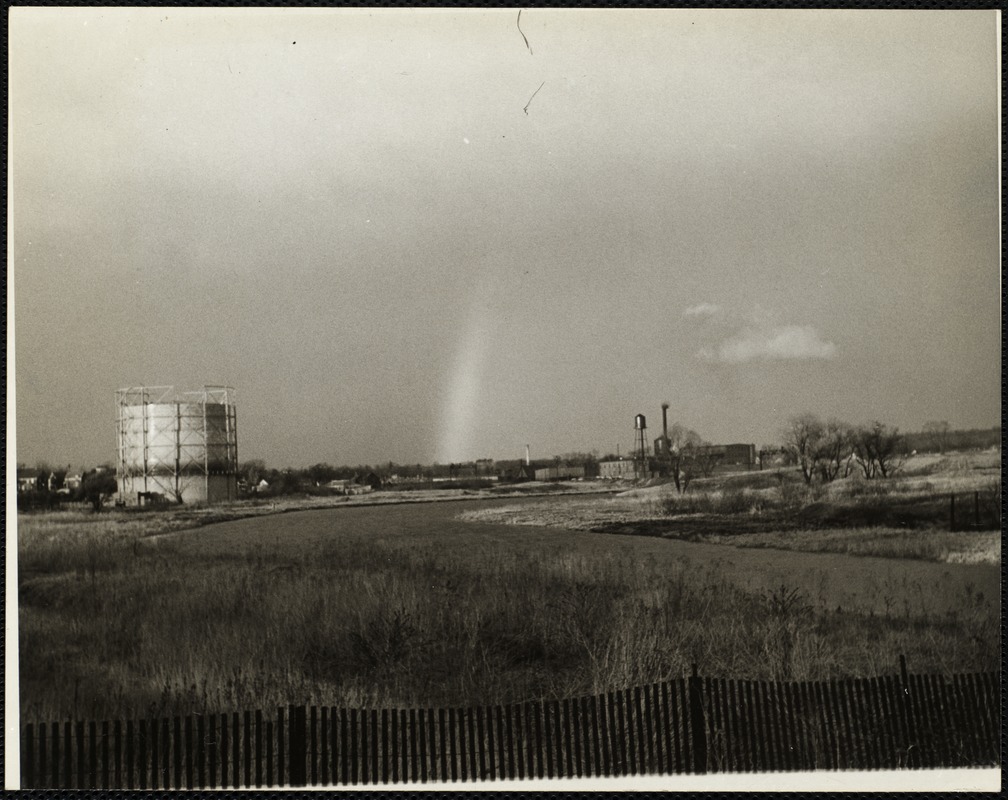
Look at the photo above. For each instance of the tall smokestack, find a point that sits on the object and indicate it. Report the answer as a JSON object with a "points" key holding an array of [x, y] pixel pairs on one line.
{"points": [[528, 460], [664, 420]]}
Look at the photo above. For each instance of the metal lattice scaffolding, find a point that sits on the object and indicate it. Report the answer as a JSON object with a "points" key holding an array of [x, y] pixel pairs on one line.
{"points": [[181, 447]]}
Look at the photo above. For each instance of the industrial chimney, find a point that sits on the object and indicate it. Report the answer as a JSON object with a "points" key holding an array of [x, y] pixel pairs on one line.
{"points": [[664, 420], [528, 460]]}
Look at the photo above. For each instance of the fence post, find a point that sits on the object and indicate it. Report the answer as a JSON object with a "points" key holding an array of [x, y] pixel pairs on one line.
{"points": [[907, 712], [28, 757], [297, 748], [952, 512], [697, 724], [280, 729], [313, 751]]}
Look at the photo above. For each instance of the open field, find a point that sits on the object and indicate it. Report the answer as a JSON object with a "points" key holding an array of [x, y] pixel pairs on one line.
{"points": [[71, 531], [903, 517], [409, 605]]}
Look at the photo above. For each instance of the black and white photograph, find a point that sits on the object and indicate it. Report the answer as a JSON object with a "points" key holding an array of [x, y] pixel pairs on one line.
{"points": [[503, 398]]}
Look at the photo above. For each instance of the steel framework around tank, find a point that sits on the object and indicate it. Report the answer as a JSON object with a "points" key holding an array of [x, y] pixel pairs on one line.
{"points": [[178, 446]]}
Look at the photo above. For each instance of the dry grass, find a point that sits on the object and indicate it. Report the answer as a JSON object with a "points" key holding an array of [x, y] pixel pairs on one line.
{"points": [[902, 517], [973, 547], [582, 514], [406, 606]]}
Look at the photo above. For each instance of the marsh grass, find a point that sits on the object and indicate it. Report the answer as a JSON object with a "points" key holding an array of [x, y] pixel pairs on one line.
{"points": [[928, 545], [729, 500], [116, 622]]}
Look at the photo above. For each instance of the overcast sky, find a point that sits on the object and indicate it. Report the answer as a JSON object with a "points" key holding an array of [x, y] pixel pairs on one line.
{"points": [[367, 224]]}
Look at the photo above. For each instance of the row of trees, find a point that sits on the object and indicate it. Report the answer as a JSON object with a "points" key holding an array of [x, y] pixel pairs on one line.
{"points": [[824, 450], [937, 436], [292, 481]]}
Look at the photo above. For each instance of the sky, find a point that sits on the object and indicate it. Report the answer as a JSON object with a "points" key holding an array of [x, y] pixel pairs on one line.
{"points": [[429, 235]]}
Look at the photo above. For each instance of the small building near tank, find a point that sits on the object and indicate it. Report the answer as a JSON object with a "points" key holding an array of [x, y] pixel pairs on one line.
{"points": [[625, 468]]}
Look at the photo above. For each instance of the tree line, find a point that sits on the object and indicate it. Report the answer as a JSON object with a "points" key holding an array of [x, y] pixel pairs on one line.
{"points": [[825, 450], [937, 436]]}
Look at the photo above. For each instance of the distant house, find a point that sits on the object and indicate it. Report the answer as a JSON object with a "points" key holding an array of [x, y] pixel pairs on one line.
{"points": [[355, 485], [526, 472], [517, 470], [71, 483], [28, 480], [31, 479]]}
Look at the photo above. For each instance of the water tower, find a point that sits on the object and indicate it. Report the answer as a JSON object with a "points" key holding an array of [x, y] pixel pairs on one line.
{"points": [[640, 439]]}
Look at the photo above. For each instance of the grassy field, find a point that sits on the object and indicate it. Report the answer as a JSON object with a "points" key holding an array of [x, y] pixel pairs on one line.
{"points": [[903, 517], [122, 614]]}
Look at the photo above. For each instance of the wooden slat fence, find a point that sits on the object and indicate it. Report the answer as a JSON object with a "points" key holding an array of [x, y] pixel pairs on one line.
{"points": [[691, 725], [975, 513]]}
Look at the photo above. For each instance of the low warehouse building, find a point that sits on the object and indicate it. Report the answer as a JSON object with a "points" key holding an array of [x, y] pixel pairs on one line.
{"points": [[559, 473], [624, 468]]}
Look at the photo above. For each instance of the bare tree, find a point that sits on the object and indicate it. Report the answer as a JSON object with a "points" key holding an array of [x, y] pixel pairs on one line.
{"points": [[706, 459], [802, 439], [684, 445], [97, 486], [833, 449], [890, 449], [879, 449]]}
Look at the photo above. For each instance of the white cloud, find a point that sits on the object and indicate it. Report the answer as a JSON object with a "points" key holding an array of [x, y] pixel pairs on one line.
{"points": [[778, 344], [702, 311]]}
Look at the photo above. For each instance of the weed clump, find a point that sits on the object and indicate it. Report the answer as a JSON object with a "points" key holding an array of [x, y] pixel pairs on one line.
{"points": [[726, 501]]}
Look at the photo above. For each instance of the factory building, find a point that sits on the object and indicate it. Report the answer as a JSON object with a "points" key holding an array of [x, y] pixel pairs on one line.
{"points": [[644, 465], [559, 473], [724, 455], [176, 447], [625, 468], [736, 455]]}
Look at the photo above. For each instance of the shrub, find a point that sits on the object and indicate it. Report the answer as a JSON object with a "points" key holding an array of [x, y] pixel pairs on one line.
{"points": [[794, 496], [729, 501]]}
